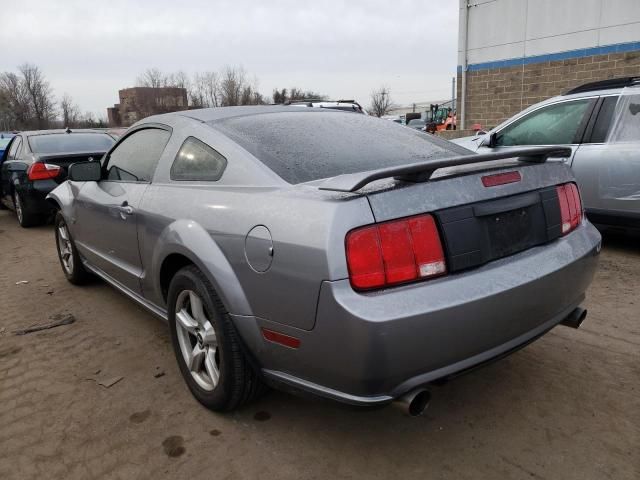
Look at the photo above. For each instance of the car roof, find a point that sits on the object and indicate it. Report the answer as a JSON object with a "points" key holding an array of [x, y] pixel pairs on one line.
{"points": [[60, 130], [609, 84], [208, 115]]}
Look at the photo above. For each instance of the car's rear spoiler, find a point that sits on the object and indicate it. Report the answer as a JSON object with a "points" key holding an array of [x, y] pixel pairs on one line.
{"points": [[422, 171]]}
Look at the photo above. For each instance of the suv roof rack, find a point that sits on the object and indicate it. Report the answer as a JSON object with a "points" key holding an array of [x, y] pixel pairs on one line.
{"points": [[605, 84]]}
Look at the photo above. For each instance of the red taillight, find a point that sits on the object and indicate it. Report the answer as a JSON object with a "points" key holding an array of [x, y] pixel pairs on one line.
{"points": [[570, 206], [42, 171], [501, 179], [394, 252]]}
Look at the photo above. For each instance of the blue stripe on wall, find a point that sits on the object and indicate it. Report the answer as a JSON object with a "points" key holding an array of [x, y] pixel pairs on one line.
{"points": [[553, 57]]}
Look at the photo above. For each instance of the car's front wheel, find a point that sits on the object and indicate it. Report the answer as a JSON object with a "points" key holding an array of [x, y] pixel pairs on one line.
{"points": [[207, 346], [68, 254]]}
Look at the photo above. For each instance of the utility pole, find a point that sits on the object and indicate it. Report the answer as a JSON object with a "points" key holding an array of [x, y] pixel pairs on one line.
{"points": [[453, 93], [464, 7]]}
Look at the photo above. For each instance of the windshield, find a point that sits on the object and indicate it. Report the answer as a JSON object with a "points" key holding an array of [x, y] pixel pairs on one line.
{"points": [[416, 122], [53, 143], [305, 146], [4, 142]]}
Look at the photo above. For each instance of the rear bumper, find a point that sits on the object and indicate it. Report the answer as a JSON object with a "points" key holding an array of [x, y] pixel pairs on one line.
{"points": [[371, 348], [34, 194]]}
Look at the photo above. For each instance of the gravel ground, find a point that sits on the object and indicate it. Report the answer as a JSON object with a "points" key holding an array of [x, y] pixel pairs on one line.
{"points": [[566, 407]]}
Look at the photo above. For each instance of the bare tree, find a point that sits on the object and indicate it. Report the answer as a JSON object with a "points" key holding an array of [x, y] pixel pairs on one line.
{"points": [[205, 90], [152, 77], [70, 111], [178, 79], [39, 92], [232, 83], [380, 101], [15, 104], [295, 94]]}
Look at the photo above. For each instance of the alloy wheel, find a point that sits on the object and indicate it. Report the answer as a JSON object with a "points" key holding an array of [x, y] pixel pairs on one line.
{"points": [[197, 339], [65, 248]]}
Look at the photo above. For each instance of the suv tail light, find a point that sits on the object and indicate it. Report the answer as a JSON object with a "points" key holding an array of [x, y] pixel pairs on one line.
{"points": [[42, 171], [394, 252], [570, 206]]}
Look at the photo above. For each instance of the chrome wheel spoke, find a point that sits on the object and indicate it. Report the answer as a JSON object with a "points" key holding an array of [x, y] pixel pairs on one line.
{"points": [[62, 231], [211, 367], [186, 322], [197, 309], [196, 359], [209, 336]]}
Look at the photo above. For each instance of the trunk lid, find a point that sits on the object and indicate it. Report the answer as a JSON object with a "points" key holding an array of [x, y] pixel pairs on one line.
{"points": [[480, 223], [65, 160]]}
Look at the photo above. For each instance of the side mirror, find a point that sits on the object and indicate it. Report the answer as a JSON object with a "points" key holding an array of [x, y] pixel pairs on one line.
{"points": [[489, 140], [85, 172]]}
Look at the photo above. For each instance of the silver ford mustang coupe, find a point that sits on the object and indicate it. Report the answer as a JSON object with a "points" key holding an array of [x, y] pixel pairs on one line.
{"points": [[327, 252]]}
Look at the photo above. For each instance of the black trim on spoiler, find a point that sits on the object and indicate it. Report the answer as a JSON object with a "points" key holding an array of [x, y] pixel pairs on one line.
{"points": [[422, 171]]}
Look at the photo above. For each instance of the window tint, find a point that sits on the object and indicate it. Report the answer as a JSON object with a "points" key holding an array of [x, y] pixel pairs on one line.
{"points": [[604, 121], [135, 158], [71, 142], [553, 125], [14, 151], [197, 161]]}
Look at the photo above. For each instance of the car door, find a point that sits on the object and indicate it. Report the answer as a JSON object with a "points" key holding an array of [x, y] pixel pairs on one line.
{"points": [[106, 229], [11, 169], [608, 171], [560, 123]]}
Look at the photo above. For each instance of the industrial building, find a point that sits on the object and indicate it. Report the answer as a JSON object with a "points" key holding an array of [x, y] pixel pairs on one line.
{"points": [[514, 53], [140, 102]]}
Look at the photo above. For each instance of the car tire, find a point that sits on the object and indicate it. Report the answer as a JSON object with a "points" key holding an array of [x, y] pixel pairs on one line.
{"points": [[208, 349], [25, 219], [70, 260]]}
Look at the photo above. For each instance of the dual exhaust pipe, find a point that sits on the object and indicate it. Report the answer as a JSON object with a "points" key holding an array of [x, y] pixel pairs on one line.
{"points": [[416, 401]]}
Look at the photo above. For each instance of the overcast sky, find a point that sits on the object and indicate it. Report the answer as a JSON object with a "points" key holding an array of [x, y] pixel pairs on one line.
{"points": [[90, 49]]}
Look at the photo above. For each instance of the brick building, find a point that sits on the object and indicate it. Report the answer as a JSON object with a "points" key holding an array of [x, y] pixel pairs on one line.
{"points": [[140, 102], [514, 53]]}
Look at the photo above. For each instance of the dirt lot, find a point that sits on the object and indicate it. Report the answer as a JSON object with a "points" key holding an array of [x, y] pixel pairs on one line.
{"points": [[566, 407]]}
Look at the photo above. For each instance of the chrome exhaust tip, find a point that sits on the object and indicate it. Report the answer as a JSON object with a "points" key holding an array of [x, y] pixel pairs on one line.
{"points": [[414, 402], [575, 318]]}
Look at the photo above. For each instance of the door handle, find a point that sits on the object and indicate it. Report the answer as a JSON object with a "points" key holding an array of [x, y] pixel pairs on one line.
{"points": [[125, 209]]}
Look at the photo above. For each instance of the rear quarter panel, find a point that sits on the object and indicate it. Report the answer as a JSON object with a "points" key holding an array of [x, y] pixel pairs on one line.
{"points": [[210, 226]]}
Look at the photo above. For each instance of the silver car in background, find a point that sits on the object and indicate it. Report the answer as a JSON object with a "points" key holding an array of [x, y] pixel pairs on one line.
{"points": [[328, 252], [600, 123]]}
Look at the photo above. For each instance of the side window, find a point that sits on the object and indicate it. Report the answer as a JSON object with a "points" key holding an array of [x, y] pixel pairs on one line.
{"points": [[135, 158], [197, 161], [16, 147], [604, 121], [556, 124]]}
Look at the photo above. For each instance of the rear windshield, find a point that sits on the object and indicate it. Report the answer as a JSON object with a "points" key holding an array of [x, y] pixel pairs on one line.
{"points": [[70, 143], [305, 146], [4, 142]]}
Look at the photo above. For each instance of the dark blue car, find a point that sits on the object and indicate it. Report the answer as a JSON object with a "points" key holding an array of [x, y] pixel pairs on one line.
{"points": [[5, 138]]}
